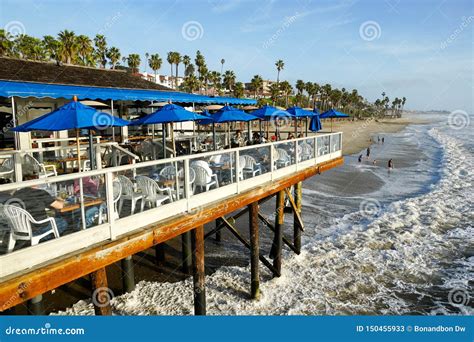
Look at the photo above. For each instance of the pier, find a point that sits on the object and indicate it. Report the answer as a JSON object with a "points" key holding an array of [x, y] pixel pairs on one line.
{"points": [[29, 272]]}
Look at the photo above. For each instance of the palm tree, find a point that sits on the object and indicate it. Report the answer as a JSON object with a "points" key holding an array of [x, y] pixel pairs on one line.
{"points": [[300, 86], [84, 47], [52, 48], [133, 60], [229, 80], [222, 65], [113, 54], [279, 65], [256, 84], [190, 83], [286, 88], [274, 92], [177, 60], [186, 61], [215, 78], [204, 77], [189, 70], [199, 61], [5, 43], [170, 60], [68, 41], [155, 63], [238, 90], [327, 92], [101, 49]]}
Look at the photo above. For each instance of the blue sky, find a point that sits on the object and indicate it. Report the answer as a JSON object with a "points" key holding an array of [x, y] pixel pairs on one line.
{"points": [[419, 49]]}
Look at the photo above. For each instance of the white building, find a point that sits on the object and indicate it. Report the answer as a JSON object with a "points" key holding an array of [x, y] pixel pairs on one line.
{"points": [[164, 80]]}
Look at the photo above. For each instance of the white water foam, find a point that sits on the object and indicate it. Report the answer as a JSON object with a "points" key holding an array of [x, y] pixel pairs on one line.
{"points": [[392, 263]]}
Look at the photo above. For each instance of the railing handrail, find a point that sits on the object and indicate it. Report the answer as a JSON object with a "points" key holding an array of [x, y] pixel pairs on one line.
{"points": [[121, 168]]}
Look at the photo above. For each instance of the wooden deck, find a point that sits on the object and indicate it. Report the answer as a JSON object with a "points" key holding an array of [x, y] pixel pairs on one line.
{"points": [[21, 286]]}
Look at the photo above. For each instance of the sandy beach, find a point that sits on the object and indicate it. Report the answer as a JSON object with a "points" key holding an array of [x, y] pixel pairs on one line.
{"points": [[357, 134]]}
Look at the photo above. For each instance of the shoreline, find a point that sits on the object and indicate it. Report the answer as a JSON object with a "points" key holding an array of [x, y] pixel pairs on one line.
{"points": [[358, 135]]}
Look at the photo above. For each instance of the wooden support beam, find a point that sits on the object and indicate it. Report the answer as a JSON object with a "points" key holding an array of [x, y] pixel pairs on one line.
{"points": [[218, 231], [101, 294], [17, 288], [239, 237], [272, 228], [295, 210], [199, 283], [128, 274], [297, 219], [254, 251], [279, 220], [186, 252]]}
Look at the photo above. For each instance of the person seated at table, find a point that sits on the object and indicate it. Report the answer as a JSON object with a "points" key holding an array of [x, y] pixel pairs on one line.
{"points": [[35, 201], [237, 140], [90, 188], [290, 136]]}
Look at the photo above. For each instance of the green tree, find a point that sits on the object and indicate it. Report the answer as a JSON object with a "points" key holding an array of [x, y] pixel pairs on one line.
{"points": [[238, 90], [286, 89], [133, 61], [229, 80], [279, 65], [113, 54], [256, 84], [84, 48], [155, 63], [69, 46], [101, 49]]}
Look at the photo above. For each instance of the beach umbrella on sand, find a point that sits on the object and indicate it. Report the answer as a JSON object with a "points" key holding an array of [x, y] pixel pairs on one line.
{"points": [[170, 113], [225, 115], [330, 114], [315, 124], [73, 115]]}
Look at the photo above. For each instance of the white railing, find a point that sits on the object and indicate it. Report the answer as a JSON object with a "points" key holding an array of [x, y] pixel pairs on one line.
{"points": [[272, 161]]}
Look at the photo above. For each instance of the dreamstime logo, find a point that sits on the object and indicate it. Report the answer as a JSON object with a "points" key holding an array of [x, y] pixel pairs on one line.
{"points": [[370, 30], [102, 296], [455, 34], [286, 24], [281, 119], [458, 119], [14, 28], [192, 30], [458, 297], [370, 208], [102, 120]]}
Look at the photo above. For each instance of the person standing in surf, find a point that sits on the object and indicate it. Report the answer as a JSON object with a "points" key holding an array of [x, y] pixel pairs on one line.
{"points": [[390, 165], [360, 158], [368, 153]]}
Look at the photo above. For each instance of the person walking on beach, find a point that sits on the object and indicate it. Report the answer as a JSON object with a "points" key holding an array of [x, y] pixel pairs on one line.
{"points": [[383, 140], [360, 158], [378, 140], [368, 152], [390, 164]]}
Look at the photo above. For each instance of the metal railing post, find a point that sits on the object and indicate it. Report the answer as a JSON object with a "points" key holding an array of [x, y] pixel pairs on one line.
{"points": [[109, 186]]}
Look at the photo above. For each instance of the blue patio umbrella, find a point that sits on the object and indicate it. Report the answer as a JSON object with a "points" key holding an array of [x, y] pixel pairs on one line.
{"points": [[225, 115], [73, 115], [169, 113], [315, 124], [331, 113], [299, 113], [267, 113]]}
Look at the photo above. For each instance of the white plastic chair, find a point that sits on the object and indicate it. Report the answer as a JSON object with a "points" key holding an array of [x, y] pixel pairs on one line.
{"points": [[251, 167], [204, 176], [21, 229], [306, 152], [117, 193], [283, 158], [152, 192], [42, 169], [168, 171], [7, 169], [129, 194]]}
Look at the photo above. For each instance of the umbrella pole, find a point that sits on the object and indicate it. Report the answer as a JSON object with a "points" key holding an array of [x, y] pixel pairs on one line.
{"points": [[78, 150], [248, 133], [91, 152], [163, 139], [296, 126], [172, 139], [261, 131], [306, 126], [331, 125], [214, 136], [113, 128]]}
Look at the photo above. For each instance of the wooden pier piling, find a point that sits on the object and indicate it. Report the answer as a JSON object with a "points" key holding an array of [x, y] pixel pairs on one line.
{"points": [[160, 254], [128, 274], [199, 285], [101, 294], [279, 220], [296, 217], [35, 306], [254, 251], [186, 251]]}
